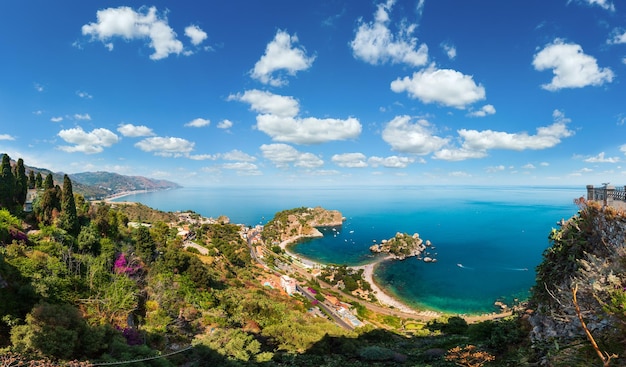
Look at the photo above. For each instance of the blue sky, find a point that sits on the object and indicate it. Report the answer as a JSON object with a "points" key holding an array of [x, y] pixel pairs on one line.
{"points": [[318, 93]]}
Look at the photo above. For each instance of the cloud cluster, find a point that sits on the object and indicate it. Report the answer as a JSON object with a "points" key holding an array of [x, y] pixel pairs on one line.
{"points": [[278, 118], [134, 131], [87, 142], [280, 55], [166, 146], [283, 156], [359, 160], [476, 144], [571, 67], [375, 44], [445, 86], [144, 24], [406, 136]]}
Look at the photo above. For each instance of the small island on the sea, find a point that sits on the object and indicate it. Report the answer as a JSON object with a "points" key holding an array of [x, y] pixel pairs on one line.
{"points": [[402, 246]]}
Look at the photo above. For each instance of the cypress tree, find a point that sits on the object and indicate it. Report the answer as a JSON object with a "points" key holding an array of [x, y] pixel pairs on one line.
{"points": [[49, 182], [31, 179], [38, 181], [68, 219], [7, 184], [21, 182]]}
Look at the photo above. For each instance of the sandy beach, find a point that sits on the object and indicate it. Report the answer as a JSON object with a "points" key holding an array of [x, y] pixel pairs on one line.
{"points": [[383, 298]]}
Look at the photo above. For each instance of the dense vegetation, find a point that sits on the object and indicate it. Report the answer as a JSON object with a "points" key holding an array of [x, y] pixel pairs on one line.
{"points": [[78, 283]]}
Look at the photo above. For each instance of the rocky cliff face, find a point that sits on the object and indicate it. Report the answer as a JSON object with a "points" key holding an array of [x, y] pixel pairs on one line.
{"points": [[588, 253]]}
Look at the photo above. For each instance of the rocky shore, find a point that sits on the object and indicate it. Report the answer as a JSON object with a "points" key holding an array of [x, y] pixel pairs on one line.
{"points": [[403, 246]]}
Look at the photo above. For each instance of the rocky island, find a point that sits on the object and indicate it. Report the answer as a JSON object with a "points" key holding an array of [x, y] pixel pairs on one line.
{"points": [[402, 246]]}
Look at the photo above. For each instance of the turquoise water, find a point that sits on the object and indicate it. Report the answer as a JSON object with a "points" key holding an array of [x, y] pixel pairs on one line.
{"points": [[496, 234]]}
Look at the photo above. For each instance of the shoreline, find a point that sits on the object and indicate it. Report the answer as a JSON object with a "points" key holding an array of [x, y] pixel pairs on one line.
{"points": [[368, 275], [384, 298]]}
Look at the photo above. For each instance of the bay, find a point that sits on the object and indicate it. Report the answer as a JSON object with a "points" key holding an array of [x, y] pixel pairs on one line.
{"points": [[487, 240]]}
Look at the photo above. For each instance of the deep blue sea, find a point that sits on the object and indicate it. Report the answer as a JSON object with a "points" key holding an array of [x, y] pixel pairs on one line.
{"points": [[487, 240]]}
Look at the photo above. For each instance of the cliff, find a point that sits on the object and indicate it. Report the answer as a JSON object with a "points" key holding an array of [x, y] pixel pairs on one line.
{"points": [[588, 253]]}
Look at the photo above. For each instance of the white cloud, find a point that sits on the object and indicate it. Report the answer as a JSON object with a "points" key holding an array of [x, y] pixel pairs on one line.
{"points": [[268, 103], [544, 164], [281, 56], [282, 155], [225, 124], [350, 160], [56, 119], [87, 142], [407, 137], [84, 116], [484, 111], [600, 158], [129, 24], [39, 87], [199, 122], [459, 174], [529, 166], [6, 137], [374, 42], [450, 50], [391, 162], [134, 131], [477, 143], [166, 146], [571, 67], [494, 169], [309, 130], [237, 155], [243, 168], [84, 95], [622, 148], [202, 157], [196, 34], [604, 4], [278, 119], [445, 86], [619, 36]]}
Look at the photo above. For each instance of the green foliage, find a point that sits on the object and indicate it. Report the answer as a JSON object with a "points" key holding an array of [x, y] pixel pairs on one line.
{"points": [[375, 353], [144, 244], [68, 220], [58, 331], [7, 184], [21, 182], [226, 238], [499, 336], [234, 344]]}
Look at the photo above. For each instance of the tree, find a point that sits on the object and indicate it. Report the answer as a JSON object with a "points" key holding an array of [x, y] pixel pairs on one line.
{"points": [[21, 182], [49, 182], [31, 179], [7, 184], [38, 181], [68, 219], [144, 244]]}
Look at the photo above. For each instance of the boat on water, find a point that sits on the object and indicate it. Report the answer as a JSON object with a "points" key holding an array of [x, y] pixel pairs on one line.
{"points": [[459, 265]]}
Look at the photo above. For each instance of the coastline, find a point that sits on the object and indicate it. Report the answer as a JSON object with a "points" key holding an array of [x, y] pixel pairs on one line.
{"points": [[384, 298], [368, 275]]}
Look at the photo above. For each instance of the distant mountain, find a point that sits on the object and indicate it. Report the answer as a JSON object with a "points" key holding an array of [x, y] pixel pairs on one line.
{"points": [[98, 185], [101, 184]]}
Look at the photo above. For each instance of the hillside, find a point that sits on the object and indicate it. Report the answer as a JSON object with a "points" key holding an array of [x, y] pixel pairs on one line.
{"points": [[111, 183], [299, 222], [582, 277]]}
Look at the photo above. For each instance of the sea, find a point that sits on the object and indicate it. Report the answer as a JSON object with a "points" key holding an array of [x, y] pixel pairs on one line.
{"points": [[487, 240]]}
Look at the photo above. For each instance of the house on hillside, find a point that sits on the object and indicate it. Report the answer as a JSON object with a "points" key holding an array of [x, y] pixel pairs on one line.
{"points": [[31, 195]]}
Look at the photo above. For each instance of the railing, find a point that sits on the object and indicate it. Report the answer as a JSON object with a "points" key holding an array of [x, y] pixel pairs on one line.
{"points": [[607, 194]]}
